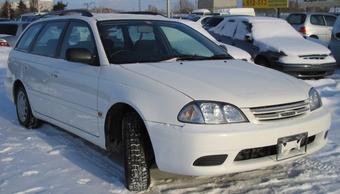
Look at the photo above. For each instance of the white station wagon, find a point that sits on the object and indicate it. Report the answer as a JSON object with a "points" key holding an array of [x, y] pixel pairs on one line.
{"points": [[160, 92]]}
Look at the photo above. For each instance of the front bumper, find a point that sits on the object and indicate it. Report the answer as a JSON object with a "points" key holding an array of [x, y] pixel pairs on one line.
{"points": [[306, 70], [178, 147]]}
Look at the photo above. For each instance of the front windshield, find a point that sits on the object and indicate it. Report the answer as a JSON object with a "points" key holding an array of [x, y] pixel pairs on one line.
{"points": [[153, 41], [275, 28]]}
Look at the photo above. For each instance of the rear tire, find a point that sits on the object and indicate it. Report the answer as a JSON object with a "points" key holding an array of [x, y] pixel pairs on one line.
{"points": [[315, 37], [24, 111], [137, 171]]}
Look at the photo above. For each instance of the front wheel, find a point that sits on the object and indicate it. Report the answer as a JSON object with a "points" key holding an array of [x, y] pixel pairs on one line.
{"points": [[137, 172], [24, 111]]}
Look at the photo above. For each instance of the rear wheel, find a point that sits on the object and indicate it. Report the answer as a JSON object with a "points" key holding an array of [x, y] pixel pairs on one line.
{"points": [[24, 111], [314, 36], [137, 172]]}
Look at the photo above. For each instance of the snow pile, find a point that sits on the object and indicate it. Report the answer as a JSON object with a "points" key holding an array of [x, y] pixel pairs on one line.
{"points": [[50, 160]]}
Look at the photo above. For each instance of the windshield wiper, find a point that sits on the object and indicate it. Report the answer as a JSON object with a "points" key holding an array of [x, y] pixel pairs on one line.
{"points": [[196, 57]]}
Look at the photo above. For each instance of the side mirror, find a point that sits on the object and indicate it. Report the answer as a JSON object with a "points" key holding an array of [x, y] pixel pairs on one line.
{"points": [[80, 55], [248, 38], [224, 47]]}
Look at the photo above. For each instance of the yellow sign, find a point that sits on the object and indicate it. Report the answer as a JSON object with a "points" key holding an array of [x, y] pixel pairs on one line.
{"points": [[265, 3]]}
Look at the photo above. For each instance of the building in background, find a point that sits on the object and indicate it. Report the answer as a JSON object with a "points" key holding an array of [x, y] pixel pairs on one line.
{"points": [[216, 4]]}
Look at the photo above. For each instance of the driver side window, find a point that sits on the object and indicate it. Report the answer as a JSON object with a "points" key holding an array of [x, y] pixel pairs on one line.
{"points": [[78, 35]]}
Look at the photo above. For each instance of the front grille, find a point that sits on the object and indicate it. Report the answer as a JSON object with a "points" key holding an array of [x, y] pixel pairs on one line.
{"points": [[261, 152], [314, 57], [267, 113]]}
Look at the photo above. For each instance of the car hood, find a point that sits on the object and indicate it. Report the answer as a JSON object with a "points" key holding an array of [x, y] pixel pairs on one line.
{"points": [[292, 46], [233, 81]]}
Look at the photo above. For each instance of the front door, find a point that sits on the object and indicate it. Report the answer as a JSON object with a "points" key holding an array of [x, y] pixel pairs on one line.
{"points": [[75, 84]]}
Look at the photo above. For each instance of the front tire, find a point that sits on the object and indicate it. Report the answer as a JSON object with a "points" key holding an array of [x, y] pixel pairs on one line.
{"points": [[24, 111], [137, 171]]}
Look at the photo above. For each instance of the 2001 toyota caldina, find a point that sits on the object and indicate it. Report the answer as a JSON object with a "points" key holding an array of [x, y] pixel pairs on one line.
{"points": [[161, 92]]}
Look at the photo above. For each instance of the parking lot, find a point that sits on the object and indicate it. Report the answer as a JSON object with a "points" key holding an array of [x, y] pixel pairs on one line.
{"points": [[50, 160]]}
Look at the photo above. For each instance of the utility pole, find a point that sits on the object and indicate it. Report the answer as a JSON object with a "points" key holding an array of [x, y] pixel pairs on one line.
{"points": [[168, 8], [38, 6], [140, 5]]}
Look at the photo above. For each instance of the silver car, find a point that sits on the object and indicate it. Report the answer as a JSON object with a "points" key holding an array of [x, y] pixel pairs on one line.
{"points": [[315, 25], [334, 45]]}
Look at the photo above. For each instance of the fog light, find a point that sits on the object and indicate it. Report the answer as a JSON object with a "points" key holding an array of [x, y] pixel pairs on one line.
{"points": [[212, 160]]}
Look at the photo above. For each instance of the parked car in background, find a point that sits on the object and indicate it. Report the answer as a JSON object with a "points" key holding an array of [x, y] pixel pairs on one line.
{"points": [[4, 20], [201, 12], [274, 43], [159, 91], [212, 22], [314, 25], [233, 51], [10, 31], [334, 45], [191, 17], [30, 17]]}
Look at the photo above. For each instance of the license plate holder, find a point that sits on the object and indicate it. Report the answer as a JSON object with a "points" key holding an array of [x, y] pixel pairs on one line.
{"points": [[291, 146]]}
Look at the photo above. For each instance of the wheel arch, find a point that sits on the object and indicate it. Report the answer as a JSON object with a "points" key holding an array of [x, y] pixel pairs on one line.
{"points": [[17, 83], [113, 125]]}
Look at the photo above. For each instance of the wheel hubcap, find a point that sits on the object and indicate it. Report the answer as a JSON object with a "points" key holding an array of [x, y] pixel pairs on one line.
{"points": [[22, 106]]}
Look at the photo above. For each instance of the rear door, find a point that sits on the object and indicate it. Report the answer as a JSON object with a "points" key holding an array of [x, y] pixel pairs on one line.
{"points": [[319, 27], [74, 86], [38, 62]]}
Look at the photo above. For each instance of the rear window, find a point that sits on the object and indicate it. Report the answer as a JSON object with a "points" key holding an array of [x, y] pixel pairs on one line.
{"points": [[9, 29], [212, 22], [296, 19]]}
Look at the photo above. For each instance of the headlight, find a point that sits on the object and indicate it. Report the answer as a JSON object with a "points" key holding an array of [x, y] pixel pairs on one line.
{"points": [[204, 112], [314, 99]]}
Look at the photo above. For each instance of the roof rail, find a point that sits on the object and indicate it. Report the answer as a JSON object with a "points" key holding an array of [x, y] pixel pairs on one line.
{"points": [[141, 13], [81, 12]]}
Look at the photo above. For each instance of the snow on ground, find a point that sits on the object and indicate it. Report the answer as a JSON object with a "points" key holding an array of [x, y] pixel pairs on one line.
{"points": [[50, 160]]}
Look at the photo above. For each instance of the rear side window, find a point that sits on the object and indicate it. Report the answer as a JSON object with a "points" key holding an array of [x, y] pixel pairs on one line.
{"points": [[48, 39], [296, 19], [243, 29], [9, 29], [27, 39], [229, 28], [317, 20], [78, 35], [330, 20]]}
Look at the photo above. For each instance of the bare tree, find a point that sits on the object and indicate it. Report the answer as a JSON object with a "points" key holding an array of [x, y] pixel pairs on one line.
{"points": [[184, 6]]}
